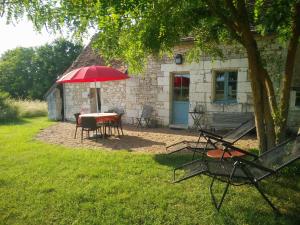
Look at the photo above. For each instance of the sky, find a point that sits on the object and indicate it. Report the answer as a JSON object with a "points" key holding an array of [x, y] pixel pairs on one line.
{"points": [[23, 35]]}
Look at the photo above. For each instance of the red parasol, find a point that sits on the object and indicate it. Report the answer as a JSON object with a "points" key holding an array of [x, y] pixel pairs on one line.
{"points": [[92, 74]]}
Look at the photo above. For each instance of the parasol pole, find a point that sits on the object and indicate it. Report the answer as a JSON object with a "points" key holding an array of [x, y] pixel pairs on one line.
{"points": [[96, 96]]}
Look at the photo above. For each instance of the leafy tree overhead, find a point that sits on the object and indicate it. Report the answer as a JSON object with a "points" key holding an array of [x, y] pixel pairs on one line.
{"points": [[133, 29], [29, 72], [15, 71], [51, 60]]}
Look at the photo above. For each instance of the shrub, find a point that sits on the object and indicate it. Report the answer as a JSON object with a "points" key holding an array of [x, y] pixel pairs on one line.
{"points": [[13, 109], [31, 108], [8, 110]]}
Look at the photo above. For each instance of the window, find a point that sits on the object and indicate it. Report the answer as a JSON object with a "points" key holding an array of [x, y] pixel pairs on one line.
{"points": [[226, 86], [181, 85], [297, 102]]}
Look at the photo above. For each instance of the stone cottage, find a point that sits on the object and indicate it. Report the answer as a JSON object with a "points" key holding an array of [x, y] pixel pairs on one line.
{"points": [[174, 88]]}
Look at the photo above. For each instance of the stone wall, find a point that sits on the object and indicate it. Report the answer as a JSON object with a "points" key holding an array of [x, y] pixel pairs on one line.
{"points": [[54, 102], [76, 99], [154, 87], [142, 90], [202, 88], [113, 94]]}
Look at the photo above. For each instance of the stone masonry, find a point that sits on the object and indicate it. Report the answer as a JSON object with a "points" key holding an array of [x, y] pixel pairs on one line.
{"points": [[154, 87]]}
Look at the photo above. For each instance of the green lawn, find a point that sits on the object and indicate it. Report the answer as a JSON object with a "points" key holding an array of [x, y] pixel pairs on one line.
{"points": [[47, 184]]}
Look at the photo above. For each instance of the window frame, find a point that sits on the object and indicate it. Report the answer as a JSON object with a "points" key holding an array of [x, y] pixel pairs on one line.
{"points": [[226, 87], [181, 88], [297, 95]]}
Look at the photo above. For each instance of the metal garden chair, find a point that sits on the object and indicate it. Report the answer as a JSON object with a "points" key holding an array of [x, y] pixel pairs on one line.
{"points": [[145, 116], [89, 124], [76, 115], [212, 140], [239, 171], [117, 124]]}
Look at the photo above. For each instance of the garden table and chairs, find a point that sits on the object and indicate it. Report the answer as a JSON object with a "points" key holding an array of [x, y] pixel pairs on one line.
{"points": [[101, 117], [117, 123], [97, 122]]}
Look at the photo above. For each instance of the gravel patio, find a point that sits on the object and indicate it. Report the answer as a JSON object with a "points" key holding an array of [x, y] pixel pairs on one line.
{"points": [[147, 140]]}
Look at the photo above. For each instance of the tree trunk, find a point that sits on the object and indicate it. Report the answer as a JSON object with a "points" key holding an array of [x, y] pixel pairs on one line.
{"points": [[288, 75], [263, 105], [264, 99], [258, 104], [269, 123], [258, 109]]}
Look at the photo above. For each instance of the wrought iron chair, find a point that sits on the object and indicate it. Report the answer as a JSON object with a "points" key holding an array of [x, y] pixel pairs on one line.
{"points": [[89, 124], [212, 140], [239, 171], [116, 125], [145, 115], [76, 115]]}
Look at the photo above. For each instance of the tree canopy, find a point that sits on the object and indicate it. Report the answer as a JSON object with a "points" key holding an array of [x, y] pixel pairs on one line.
{"points": [[29, 72], [133, 29]]}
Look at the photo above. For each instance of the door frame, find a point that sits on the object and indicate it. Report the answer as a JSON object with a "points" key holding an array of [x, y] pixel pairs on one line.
{"points": [[171, 86]]}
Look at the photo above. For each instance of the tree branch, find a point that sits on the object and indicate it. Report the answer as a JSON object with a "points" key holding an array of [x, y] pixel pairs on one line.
{"points": [[232, 27], [232, 8], [247, 35]]}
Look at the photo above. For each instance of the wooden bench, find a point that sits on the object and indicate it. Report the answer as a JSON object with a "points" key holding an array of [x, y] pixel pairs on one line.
{"points": [[229, 120]]}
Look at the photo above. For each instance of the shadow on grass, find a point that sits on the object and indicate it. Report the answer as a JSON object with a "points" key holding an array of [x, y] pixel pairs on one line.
{"points": [[13, 122], [253, 216], [247, 204], [283, 191], [125, 142], [162, 130], [173, 160]]}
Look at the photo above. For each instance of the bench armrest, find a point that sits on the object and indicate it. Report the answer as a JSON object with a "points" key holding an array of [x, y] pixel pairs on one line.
{"points": [[253, 164], [204, 132]]}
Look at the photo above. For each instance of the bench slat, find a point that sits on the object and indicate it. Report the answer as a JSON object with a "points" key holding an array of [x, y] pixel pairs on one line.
{"points": [[227, 120]]}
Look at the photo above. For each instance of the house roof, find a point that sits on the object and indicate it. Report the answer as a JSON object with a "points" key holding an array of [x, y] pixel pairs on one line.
{"points": [[88, 57]]}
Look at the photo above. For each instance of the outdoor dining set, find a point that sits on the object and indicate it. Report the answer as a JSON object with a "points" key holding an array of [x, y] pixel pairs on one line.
{"points": [[102, 124], [108, 123]]}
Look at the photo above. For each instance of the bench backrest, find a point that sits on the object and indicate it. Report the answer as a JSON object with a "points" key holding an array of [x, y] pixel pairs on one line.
{"points": [[147, 111], [277, 158], [240, 131], [229, 120]]}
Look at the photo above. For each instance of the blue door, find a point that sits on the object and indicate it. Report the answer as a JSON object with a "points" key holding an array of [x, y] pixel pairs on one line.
{"points": [[181, 84]]}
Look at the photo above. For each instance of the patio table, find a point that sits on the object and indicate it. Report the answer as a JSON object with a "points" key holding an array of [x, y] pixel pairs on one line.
{"points": [[102, 118]]}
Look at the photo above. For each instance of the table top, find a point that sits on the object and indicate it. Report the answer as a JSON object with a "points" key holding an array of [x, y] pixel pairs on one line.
{"points": [[98, 114]]}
